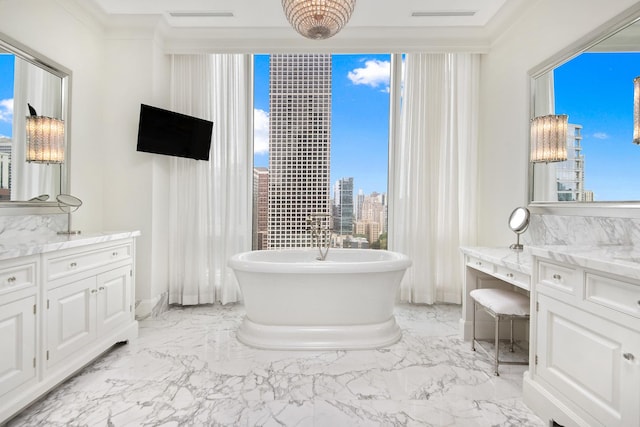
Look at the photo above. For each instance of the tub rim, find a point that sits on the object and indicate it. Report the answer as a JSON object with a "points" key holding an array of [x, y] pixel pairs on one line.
{"points": [[396, 261]]}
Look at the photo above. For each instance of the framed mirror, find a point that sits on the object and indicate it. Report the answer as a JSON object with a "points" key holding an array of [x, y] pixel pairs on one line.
{"points": [[29, 79], [592, 83]]}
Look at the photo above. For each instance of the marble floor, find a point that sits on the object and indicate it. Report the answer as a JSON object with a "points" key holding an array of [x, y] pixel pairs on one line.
{"points": [[187, 368]]}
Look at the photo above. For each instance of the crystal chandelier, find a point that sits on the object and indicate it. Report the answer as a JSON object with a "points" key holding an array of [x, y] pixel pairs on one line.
{"points": [[318, 19], [549, 138]]}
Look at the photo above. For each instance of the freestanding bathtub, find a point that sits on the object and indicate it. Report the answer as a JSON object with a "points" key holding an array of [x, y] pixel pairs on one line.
{"points": [[294, 301]]}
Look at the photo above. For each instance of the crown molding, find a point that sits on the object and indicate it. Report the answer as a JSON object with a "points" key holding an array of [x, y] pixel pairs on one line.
{"points": [[350, 40]]}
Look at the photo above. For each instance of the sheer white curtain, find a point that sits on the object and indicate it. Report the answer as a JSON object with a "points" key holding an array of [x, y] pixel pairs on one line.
{"points": [[433, 174], [210, 202], [43, 90]]}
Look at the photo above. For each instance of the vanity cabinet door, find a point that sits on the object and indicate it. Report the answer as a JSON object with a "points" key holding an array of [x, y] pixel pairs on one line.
{"points": [[71, 317], [18, 338], [114, 299], [592, 361]]}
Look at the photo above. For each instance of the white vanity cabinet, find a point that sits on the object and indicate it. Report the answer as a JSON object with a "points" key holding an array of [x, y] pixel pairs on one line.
{"points": [[585, 346], [88, 296], [18, 296], [61, 308]]}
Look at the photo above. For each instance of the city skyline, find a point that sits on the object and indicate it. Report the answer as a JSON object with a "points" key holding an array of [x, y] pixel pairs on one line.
{"points": [[360, 118]]}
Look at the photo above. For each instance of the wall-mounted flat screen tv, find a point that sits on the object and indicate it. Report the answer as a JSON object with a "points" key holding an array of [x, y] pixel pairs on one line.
{"points": [[173, 134]]}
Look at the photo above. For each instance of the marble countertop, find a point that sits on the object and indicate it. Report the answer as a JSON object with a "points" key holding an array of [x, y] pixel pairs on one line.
{"points": [[37, 244], [615, 259], [515, 260]]}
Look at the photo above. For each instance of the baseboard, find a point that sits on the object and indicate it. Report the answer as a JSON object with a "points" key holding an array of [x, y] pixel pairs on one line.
{"points": [[152, 308]]}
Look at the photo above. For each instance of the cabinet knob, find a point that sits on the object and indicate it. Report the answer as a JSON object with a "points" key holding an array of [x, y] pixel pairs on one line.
{"points": [[557, 276], [510, 275], [478, 263], [114, 254], [93, 291], [73, 265], [101, 288], [628, 356], [11, 279]]}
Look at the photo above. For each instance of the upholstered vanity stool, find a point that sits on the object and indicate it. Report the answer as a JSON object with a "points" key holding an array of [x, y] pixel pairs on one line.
{"points": [[501, 304]]}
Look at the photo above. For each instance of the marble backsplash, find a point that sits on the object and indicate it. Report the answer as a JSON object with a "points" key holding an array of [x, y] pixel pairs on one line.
{"points": [[20, 226], [582, 230]]}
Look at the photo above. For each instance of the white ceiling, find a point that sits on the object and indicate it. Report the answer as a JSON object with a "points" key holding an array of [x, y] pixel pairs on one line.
{"points": [[268, 13], [260, 25]]}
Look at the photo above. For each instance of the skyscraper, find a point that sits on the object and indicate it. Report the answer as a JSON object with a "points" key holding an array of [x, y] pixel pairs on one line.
{"points": [[343, 206], [570, 173], [299, 146], [373, 216], [359, 202], [260, 207]]}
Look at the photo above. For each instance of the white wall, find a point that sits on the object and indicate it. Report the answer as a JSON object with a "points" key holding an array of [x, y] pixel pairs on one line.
{"points": [[546, 28], [75, 41], [135, 184], [114, 69]]}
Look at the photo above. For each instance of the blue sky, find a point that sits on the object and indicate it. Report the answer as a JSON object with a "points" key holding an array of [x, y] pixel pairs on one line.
{"points": [[597, 93], [6, 95], [360, 119]]}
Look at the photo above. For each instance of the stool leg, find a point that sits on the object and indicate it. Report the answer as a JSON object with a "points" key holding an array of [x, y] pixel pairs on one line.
{"points": [[473, 324], [497, 341], [511, 324]]}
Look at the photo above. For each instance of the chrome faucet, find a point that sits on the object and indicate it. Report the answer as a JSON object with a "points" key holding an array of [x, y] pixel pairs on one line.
{"points": [[321, 234]]}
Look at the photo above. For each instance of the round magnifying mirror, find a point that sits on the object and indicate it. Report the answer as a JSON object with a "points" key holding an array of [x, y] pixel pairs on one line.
{"points": [[519, 222], [68, 201]]}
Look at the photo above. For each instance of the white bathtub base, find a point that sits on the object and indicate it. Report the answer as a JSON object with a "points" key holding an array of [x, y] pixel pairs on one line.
{"points": [[333, 337]]}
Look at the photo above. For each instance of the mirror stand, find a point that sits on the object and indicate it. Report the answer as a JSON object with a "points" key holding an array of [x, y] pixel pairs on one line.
{"points": [[68, 203]]}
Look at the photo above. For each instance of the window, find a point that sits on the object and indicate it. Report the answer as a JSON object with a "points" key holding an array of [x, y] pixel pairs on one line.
{"points": [[321, 146]]}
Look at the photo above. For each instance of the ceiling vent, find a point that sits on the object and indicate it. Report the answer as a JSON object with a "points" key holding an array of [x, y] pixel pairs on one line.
{"points": [[203, 14], [444, 13]]}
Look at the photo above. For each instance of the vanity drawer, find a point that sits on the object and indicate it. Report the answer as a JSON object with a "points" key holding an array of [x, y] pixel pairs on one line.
{"points": [[612, 293], [479, 264], [557, 276], [86, 260], [519, 279], [20, 275]]}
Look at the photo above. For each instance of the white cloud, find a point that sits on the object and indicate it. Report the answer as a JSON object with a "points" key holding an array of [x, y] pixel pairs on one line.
{"points": [[375, 74], [260, 131], [6, 110], [600, 135]]}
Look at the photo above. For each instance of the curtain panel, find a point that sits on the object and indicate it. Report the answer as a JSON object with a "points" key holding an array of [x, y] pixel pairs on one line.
{"points": [[210, 202], [43, 91], [432, 188]]}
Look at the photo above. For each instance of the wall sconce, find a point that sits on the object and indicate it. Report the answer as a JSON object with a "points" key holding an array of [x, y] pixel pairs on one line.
{"points": [[45, 139], [636, 110], [549, 138], [318, 19]]}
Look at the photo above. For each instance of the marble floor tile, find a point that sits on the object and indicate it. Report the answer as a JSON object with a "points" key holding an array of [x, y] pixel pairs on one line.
{"points": [[187, 368]]}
